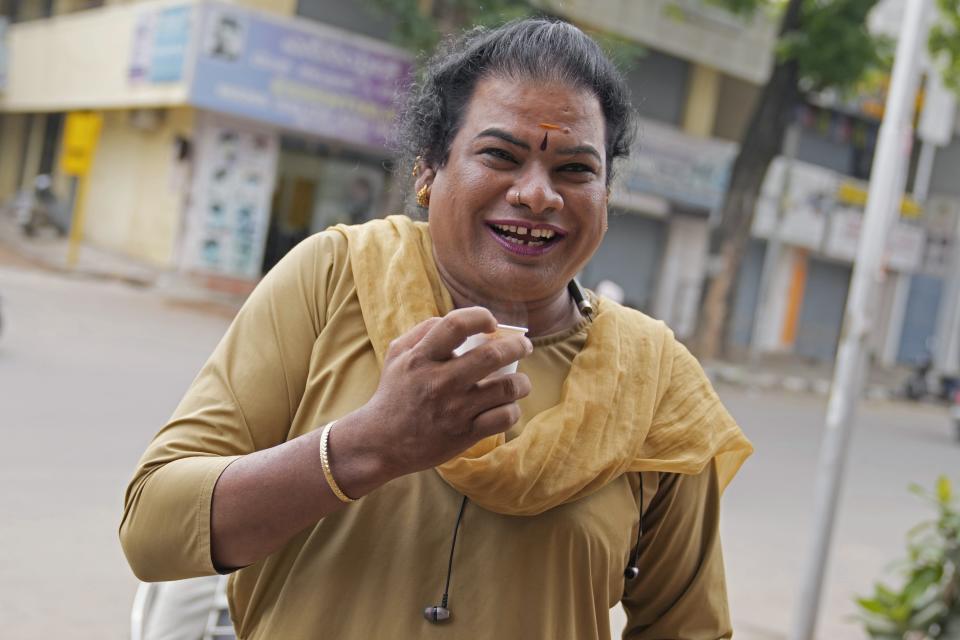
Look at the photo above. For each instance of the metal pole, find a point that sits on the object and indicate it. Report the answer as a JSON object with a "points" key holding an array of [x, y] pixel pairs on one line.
{"points": [[882, 200]]}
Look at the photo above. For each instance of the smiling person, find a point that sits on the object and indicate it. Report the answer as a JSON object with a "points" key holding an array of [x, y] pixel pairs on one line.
{"points": [[363, 481]]}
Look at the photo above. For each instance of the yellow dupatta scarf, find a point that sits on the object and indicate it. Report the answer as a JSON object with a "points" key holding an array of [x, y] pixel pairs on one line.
{"points": [[634, 400]]}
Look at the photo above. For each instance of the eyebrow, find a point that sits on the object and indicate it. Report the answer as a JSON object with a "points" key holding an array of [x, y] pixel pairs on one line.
{"points": [[493, 132], [583, 148], [503, 135]]}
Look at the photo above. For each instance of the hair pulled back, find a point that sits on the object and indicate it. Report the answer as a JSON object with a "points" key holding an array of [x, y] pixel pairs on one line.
{"points": [[536, 49]]}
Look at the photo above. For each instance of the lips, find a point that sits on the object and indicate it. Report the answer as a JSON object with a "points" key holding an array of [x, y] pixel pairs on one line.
{"points": [[524, 238]]}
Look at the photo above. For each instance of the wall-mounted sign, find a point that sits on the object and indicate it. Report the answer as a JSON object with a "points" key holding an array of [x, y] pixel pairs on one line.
{"points": [[298, 74], [905, 242], [234, 172], [81, 131], [681, 168], [161, 42]]}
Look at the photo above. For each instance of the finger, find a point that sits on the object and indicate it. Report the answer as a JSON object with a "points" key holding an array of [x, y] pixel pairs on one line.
{"points": [[410, 339], [499, 390], [454, 328], [496, 420], [481, 361]]}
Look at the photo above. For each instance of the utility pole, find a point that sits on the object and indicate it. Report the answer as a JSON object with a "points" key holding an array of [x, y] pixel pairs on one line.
{"points": [[883, 200]]}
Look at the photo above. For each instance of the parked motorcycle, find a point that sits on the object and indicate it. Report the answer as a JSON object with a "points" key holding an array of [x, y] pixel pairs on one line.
{"points": [[39, 207], [924, 381]]}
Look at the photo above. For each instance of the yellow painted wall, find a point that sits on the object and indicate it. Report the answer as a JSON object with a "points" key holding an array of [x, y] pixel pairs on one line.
{"points": [[703, 94], [278, 7], [134, 206], [80, 60]]}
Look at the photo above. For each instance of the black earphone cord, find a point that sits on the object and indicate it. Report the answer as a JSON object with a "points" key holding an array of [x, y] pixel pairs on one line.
{"points": [[440, 612]]}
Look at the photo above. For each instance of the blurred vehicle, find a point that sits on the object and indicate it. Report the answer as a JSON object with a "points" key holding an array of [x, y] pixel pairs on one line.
{"points": [[39, 207], [925, 381]]}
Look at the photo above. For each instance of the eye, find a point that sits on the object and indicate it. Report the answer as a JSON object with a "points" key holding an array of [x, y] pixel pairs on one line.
{"points": [[578, 171], [577, 167], [499, 154]]}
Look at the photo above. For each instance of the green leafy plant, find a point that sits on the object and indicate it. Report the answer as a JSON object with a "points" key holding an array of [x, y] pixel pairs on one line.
{"points": [[944, 42], [927, 606]]}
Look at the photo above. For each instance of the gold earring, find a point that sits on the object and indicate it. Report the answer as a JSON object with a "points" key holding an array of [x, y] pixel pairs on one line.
{"points": [[423, 196], [416, 166]]}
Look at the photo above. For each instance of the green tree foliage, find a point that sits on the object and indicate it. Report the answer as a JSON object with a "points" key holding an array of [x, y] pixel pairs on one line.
{"points": [[945, 42], [822, 44], [833, 48], [927, 605], [830, 42]]}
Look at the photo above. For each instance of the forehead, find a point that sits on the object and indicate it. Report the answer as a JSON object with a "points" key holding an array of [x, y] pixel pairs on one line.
{"points": [[524, 104]]}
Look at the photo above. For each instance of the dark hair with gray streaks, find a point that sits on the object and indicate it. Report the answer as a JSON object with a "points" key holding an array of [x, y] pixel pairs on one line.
{"points": [[533, 48]]}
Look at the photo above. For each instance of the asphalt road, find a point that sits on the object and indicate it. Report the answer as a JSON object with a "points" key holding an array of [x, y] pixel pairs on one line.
{"points": [[89, 370]]}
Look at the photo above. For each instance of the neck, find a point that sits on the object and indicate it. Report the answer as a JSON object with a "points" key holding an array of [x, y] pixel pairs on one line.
{"points": [[541, 317]]}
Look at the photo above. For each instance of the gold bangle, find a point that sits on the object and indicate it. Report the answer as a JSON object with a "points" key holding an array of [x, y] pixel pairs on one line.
{"points": [[325, 463]]}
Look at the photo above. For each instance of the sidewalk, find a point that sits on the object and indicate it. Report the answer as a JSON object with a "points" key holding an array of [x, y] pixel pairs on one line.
{"points": [[789, 373], [47, 251]]}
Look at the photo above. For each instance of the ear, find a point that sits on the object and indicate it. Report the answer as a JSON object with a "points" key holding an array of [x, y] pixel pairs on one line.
{"points": [[425, 176]]}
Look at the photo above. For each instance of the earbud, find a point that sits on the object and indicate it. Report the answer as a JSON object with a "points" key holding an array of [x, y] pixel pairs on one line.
{"points": [[436, 614], [631, 572]]}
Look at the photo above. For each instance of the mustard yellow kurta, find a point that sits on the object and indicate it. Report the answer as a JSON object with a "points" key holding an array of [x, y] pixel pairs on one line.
{"points": [[298, 356]]}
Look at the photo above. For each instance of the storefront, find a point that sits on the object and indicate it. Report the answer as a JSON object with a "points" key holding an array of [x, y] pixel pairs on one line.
{"points": [[228, 133], [813, 216], [660, 206], [293, 136]]}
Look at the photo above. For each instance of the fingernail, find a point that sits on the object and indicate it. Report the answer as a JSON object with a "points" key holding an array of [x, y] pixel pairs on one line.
{"points": [[528, 344]]}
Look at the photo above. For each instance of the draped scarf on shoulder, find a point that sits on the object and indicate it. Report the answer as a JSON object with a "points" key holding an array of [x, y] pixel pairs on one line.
{"points": [[634, 400]]}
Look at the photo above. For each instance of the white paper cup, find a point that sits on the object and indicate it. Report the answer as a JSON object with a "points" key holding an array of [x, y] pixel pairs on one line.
{"points": [[479, 338]]}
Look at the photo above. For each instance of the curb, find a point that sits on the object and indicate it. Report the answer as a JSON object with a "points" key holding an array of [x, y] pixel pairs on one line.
{"points": [[738, 376]]}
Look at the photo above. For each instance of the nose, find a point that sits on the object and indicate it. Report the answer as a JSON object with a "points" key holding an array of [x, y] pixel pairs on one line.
{"points": [[536, 192]]}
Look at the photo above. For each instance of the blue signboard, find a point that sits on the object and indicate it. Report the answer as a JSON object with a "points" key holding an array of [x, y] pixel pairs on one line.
{"points": [[298, 74], [161, 40], [171, 37]]}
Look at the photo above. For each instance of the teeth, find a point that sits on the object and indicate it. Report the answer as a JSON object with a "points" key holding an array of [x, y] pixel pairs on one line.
{"points": [[536, 234]]}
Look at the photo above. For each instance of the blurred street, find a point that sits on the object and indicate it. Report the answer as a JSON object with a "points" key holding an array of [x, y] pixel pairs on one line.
{"points": [[90, 369]]}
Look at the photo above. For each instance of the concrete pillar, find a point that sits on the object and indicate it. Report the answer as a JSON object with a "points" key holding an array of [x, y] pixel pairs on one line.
{"points": [[34, 149], [13, 133], [681, 274], [898, 312], [703, 94]]}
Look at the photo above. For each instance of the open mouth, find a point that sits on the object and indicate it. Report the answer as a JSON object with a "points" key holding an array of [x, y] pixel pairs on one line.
{"points": [[526, 235]]}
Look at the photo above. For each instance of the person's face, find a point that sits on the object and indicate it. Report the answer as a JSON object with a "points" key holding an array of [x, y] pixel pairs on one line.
{"points": [[487, 245]]}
